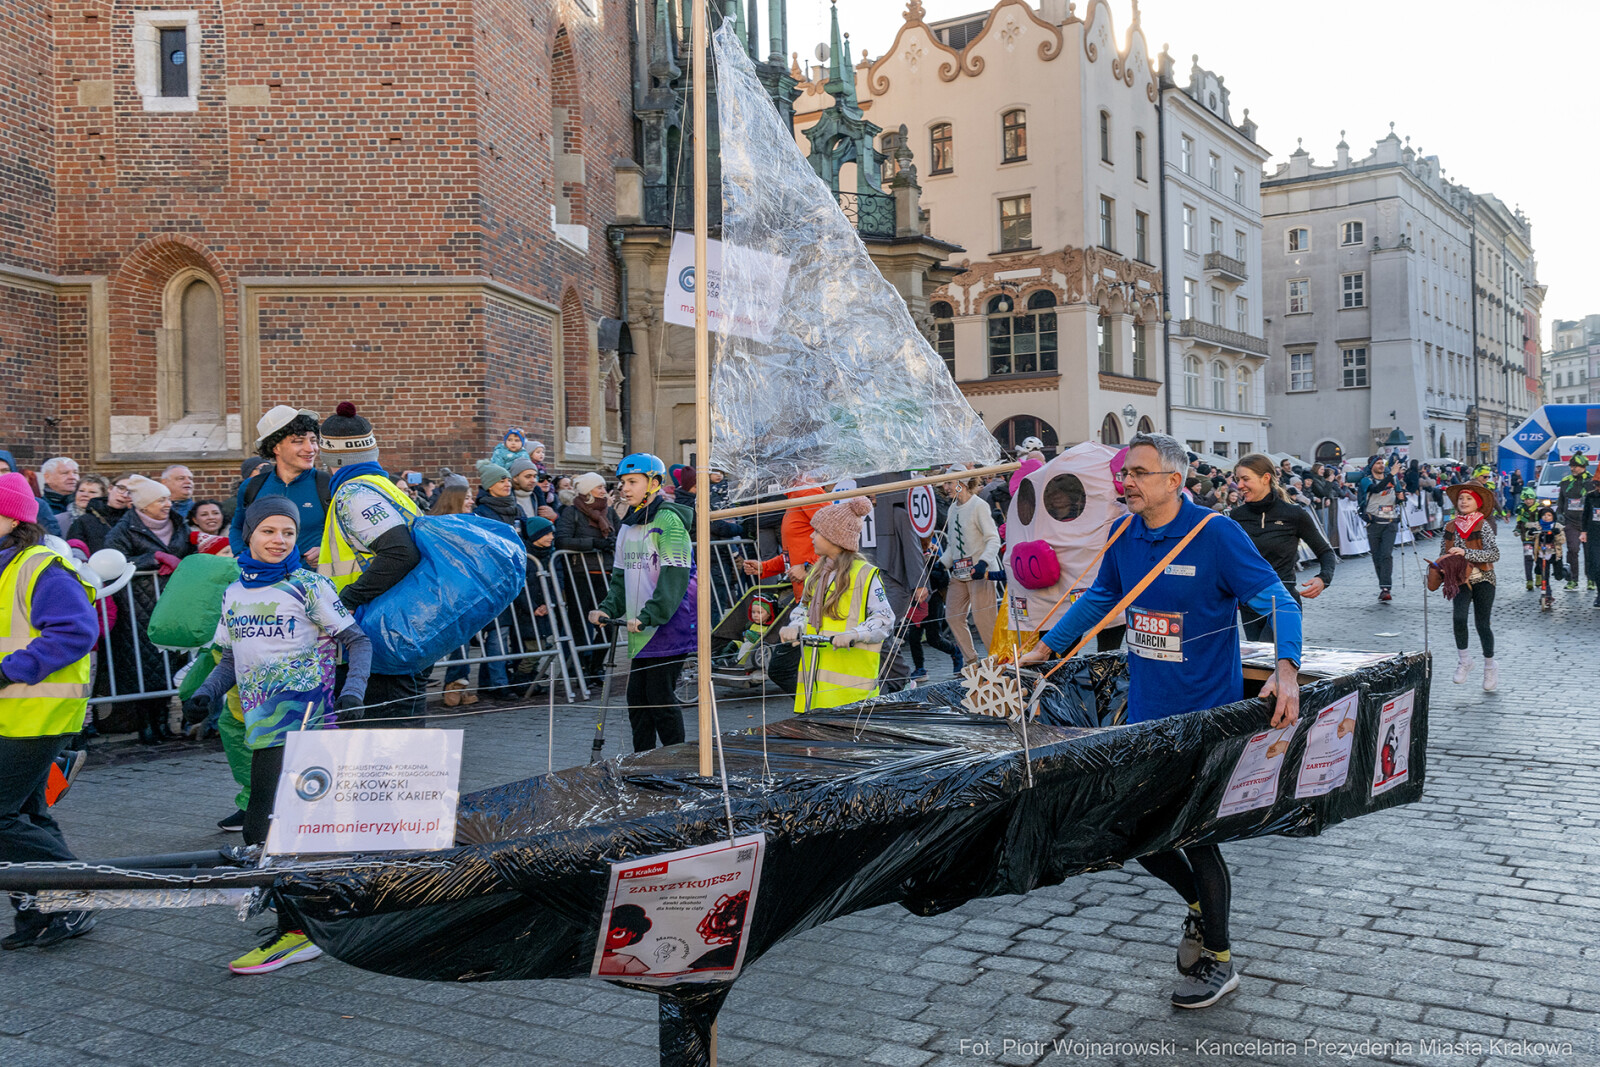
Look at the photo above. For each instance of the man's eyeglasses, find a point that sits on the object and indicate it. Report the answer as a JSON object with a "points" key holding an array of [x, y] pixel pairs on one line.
{"points": [[1136, 473]]}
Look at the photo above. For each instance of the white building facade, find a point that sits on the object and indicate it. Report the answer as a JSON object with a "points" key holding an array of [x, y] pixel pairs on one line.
{"points": [[1035, 141], [1216, 348], [1368, 282]]}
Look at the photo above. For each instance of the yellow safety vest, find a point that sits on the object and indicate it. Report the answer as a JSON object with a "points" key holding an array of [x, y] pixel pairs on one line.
{"points": [[56, 705], [839, 675], [341, 562]]}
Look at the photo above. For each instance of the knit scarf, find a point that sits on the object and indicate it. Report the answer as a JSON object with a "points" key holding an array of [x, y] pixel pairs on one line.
{"points": [[354, 470], [253, 574], [504, 507], [597, 512]]}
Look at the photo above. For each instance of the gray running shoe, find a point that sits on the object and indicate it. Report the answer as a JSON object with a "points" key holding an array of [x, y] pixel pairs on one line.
{"points": [[1190, 946], [1210, 982]]}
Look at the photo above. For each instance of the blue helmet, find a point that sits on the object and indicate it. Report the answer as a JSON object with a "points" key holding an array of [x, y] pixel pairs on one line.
{"points": [[642, 463]]}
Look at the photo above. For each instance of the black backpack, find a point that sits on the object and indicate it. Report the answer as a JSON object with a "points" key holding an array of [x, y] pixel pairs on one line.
{"points": [[257, 482]]}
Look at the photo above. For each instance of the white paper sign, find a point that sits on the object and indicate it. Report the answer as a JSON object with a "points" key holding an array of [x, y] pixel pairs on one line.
{"points": [[758, 305], [680, 917], [1326, 765], [1255, 777], [1393, 761], [366, 791]]}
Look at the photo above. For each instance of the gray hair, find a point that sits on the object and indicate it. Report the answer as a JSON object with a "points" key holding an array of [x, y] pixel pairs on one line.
{"points": [[1174, 457], [53, 462], [176, 467]]}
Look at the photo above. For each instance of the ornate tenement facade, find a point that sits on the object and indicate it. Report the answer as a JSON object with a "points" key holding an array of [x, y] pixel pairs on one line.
{"points": [[1034, 139]]}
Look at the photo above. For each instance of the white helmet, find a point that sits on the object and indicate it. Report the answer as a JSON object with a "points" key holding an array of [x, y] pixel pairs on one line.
{"points": [[1031, 444]]}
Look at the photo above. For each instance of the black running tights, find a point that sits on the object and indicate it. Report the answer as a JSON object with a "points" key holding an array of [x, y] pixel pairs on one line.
{"points": [[653, 708], [1481, 596], [1200, 876]]}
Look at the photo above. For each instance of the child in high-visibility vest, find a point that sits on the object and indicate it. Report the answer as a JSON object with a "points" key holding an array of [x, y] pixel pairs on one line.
{"points": [[843, 599]]}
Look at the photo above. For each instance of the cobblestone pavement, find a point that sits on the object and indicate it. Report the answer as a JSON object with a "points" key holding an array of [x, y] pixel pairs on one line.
{"points": [[1459, 930]]}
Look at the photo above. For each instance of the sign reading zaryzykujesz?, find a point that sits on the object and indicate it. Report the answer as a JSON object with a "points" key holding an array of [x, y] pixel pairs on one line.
{"points": [[751, 314], [367, 791]]}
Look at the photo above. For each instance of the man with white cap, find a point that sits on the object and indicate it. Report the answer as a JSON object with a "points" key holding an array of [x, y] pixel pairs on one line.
{"points": [[287, 437]]}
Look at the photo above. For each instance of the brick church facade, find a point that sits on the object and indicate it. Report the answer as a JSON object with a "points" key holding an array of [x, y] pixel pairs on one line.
{"points": [[211, 208]]}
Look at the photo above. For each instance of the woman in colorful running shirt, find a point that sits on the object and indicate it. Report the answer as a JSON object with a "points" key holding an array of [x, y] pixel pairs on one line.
{"points": [[653, 588], [279, 627]]}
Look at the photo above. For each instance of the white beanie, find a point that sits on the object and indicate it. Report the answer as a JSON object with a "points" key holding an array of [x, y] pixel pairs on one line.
{"points": [[146, 491], [588, 482]]}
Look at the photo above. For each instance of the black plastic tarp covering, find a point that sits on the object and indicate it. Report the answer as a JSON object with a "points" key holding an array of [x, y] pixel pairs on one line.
{"points": [[914, 802]]}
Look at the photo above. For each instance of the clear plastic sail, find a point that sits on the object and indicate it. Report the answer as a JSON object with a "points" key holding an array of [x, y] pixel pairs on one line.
{"points": [[819, 372]]}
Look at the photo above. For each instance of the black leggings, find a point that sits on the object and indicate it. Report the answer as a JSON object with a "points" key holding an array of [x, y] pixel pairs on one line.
{"points": [[1481, 596], [1200, 876], [266, 765], [653, 708]]}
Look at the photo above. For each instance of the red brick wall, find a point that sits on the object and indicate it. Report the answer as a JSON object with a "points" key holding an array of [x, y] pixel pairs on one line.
{"points": [[28, 374], [27, 137], [518, 351]]}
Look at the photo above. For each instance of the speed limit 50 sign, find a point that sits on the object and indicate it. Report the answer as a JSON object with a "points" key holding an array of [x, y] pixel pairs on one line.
{"points": [[920, 507]]}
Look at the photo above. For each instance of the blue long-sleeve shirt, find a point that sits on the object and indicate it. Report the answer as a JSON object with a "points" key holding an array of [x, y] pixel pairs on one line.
{"points": [[303, 491], [67, 625], [1183, 644]]}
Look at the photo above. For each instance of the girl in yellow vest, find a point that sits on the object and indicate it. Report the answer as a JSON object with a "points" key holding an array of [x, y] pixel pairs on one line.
{"points": [[47, 632], [842, 599]]}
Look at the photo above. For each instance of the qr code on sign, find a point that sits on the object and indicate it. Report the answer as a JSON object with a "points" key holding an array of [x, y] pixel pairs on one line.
{"points": [[745, 855]]}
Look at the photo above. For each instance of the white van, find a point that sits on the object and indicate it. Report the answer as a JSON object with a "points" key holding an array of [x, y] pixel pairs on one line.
{"points": [[1560, 455]]}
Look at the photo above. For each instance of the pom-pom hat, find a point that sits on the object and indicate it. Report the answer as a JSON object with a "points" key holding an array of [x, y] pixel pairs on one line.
{"points": [[16, 498], [348, 438], [840, 522]]}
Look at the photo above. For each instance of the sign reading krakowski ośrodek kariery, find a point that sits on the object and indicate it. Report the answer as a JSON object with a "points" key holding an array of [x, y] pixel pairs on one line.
{"points": [[751, 312], [367, 791]]}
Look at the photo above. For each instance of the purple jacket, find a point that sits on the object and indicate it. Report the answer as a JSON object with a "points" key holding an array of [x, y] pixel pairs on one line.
{"points": [[62, 614]]}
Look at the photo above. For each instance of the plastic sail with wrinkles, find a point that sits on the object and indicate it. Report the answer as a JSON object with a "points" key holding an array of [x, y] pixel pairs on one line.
{"points": [[819, 372]]}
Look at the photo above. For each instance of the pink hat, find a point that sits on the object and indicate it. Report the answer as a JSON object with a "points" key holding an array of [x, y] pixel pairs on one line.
{"points": [[17, 500], [840, 522]]}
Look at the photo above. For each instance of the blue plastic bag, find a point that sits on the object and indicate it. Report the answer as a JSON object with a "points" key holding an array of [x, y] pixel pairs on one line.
{"points": [[471, 571]]}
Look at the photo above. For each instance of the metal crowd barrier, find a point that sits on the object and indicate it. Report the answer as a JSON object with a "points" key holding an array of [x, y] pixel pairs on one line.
{"points": [[572, 585]]}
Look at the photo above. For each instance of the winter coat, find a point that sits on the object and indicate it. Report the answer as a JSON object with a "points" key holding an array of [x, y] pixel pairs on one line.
{"points": [[135, 603], [96, 524]]}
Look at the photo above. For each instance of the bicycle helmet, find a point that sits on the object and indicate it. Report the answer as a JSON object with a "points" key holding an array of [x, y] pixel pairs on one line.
{"points": [[642, 463]]}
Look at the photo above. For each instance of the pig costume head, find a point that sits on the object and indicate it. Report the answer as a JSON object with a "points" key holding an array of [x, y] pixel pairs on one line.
{"points": [[1060, 515]]}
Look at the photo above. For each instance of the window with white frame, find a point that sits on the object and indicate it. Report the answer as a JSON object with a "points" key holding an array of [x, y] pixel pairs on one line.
{"points": [[1219, 386], [1243, 388], [1302, 372], [1188, 229], [1191, 387], [1216, 306], [1354, 363], [1241, 314], [1141, 354], [1186, 154], [1241, 246], [1105, 137], [1141, 236], [1297, 239], [1353, 290], [1102, 334], [1238, 186], [1351, 233], [166, 59], [1108, 222], [1299, 295], [1214, 171], [1191, 297], [1138, 156], [1216, 235]]}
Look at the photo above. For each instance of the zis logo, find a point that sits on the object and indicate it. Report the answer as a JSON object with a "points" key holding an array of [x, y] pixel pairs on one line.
{"points": [[686, 279], [313, 783]]}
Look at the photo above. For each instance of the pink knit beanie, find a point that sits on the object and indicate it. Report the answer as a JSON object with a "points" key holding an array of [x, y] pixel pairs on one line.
{"points": [[18, 502], [840, 522]]}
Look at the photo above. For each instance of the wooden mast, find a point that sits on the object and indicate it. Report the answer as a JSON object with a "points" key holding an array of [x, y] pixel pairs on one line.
{"points": [[702, 393]]}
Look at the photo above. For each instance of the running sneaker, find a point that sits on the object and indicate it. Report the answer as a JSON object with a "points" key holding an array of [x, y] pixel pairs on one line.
{"points": [[1384, 594], [1530, 586], [1464, 667], [920, 672], [279, 950], [62, 771], [233, 824], [1211, 981], [22, 937], [1572, 583], [1190, 946], [64, 927]]}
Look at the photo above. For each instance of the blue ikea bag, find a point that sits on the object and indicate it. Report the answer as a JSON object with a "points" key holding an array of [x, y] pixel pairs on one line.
{"points": [[471, 570]]}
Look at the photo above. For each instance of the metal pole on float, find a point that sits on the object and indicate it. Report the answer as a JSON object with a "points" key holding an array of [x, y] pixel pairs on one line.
{"points": [[702, 397]]}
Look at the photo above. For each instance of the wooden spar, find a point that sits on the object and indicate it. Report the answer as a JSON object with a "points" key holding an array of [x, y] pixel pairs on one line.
{"points": [[812, 500], [702, 393]]}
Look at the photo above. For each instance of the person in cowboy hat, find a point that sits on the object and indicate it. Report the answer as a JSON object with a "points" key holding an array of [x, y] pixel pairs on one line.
{"points": [[1471, 535]]}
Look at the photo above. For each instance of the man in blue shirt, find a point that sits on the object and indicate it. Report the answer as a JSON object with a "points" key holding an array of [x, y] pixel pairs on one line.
{"points": [[1183, 655], [287, 437]]}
